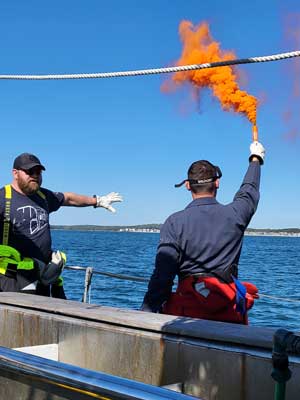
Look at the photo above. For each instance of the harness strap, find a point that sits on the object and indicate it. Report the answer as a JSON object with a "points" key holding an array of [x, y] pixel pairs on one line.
{"points": [[6, 223], [10, 258], [41, 194]]}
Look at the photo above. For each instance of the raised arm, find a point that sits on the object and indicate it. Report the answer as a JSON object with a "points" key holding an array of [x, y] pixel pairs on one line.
{"points": [[246, 199]]}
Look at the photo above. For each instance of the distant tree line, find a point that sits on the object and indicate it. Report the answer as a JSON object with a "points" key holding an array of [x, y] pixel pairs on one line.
{"points": [[104, 228], [268, 230]]}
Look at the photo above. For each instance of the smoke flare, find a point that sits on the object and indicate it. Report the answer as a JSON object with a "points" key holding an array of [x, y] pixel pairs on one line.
{"points": [[199, 47]]}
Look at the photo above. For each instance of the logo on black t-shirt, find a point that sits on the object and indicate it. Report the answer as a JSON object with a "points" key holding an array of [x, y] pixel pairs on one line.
{"points": [[34, 218]]}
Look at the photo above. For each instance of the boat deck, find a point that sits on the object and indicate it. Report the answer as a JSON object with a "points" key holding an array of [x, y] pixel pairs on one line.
{"points": [[211, 360]]}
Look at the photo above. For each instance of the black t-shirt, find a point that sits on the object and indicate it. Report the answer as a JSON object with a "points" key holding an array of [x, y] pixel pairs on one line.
{"points": [[29, 230]]}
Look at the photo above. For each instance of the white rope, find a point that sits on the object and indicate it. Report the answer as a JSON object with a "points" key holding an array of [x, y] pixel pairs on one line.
{"points": [[279, 298], [155, 70]]}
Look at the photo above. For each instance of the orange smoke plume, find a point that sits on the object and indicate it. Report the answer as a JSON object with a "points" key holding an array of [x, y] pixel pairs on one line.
{"points": [[198, 48]]}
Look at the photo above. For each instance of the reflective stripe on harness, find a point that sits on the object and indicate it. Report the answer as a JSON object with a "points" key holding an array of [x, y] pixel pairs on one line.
{"points": [[6, 222], [41, 194]]}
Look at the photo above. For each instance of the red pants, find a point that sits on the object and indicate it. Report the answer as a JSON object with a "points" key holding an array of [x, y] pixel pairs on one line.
{"points": [[209, 298]]}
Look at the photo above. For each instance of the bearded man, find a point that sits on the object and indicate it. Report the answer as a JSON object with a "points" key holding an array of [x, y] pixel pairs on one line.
{"points": [[25, 230]]}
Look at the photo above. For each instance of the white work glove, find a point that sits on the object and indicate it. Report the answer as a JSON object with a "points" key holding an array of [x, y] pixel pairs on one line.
{"points": [[257, 150], [105, 201], [59, 258]]}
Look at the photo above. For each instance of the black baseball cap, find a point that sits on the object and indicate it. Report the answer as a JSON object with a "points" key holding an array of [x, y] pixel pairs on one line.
{"points": [[201, 172], [27, 161]]}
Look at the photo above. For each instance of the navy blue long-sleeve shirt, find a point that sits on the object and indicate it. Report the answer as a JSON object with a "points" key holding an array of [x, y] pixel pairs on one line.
{"points": [[205, 236]]}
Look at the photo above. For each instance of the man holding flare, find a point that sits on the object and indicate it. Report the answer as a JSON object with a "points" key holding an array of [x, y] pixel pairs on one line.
{"points": [[201, 245]]}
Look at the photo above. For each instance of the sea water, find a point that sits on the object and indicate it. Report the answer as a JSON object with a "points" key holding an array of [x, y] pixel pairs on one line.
{"points": [[272, 263]]}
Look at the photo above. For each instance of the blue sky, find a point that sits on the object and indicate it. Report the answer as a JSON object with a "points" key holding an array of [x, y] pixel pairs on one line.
{"points": [[123, 134]]}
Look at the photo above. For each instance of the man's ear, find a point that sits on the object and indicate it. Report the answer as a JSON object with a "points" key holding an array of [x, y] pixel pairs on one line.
{"points": [[187, 185], [217, 183], [14, 173]]}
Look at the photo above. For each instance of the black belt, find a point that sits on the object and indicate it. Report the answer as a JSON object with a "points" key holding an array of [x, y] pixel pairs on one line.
{"points": [[203, 275], [224, 276], [198, 275]]}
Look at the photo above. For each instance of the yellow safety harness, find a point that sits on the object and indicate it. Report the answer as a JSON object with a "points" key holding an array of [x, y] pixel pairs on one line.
{"points": [[6, 222], [10, 258]]}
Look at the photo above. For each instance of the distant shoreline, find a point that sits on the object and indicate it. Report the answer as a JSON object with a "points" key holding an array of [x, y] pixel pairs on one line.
{"points": [[155, 228], [275, 234]]}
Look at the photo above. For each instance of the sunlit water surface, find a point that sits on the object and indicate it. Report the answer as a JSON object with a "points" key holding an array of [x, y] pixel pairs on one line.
{"points": [[272, 263]]}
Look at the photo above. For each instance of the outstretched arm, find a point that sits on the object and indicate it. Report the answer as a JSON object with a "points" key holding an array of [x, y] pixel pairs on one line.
{"points": [[80, 200]]}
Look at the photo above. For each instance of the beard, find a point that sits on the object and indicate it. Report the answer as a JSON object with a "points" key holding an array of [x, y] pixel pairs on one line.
{"points": [[29, 187]]}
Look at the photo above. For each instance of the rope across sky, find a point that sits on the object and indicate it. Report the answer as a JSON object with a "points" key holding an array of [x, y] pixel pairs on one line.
{"points": [[153, 71]]}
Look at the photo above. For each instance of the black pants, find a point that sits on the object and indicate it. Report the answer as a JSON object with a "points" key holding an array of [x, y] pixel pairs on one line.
{"points": [[17, 281], [51, 290]]}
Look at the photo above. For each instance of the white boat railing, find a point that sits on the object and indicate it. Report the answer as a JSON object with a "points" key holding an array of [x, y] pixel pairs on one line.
{"points": [[89, 272], [75, 383]]}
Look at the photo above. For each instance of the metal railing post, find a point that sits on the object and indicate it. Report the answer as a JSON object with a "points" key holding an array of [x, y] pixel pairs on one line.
{"points": [[87, 283]]}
